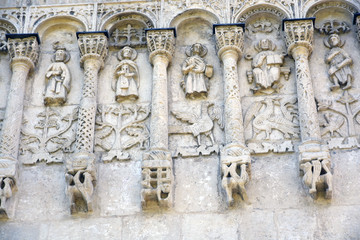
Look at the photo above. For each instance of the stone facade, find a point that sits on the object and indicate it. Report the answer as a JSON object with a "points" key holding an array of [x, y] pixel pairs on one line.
{"points": [[174, 119]]}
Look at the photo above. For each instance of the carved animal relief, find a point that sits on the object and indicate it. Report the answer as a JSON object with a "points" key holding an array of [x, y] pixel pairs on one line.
{"points": [[200, 126], [195, 82], [126, 76], [272, 124], [120, 128], [57, 78], [50, 136], [266, 68]]}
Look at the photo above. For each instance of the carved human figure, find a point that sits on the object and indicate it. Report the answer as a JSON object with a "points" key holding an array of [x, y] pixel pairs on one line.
{"points": [[267, 67], [196, 72], [57, 78], [339, 62], [126, 83]]}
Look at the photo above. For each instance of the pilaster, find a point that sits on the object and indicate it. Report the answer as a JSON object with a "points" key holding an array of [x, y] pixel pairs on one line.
{"points": [[23, 51], [235, 157], [157, 175]]}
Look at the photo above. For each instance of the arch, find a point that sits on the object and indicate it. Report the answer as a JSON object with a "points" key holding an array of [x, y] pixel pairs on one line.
{"points": [[57, 21], [192, 14], [109, 22], [243, 15], [9, 27], [312, 9]]}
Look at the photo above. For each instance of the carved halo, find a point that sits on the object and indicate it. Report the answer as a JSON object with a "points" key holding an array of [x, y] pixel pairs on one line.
{"points": [[203, 50], [56, 47], [133, 53], [327, 44]]}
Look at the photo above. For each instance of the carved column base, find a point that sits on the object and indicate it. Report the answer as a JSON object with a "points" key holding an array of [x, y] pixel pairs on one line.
{"points": [[315, 164], [8, 186], [80, 178], [157, 179], [235, 170]]}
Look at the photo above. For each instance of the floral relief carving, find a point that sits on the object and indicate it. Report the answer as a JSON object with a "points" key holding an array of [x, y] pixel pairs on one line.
{"points": [[48, 138], [120, 128]]}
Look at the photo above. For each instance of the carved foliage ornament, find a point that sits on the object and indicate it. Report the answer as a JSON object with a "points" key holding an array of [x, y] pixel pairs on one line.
{"points": [[229, 37], [4, 29], [196, 72], [299, 33], [161, 41], [24, 48]]}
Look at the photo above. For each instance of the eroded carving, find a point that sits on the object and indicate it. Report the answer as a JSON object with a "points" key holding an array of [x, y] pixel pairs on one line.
{"points": [[7, 187], [124, 125], [57, 77], [266, 68], [4, 29], [126, 76], [198, 125], [47, 140], [274, 122], [196, 72], [128, 35]]}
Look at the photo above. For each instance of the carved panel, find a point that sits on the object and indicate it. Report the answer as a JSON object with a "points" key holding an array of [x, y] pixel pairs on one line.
{"points": [[4, 29], [120, 128]]}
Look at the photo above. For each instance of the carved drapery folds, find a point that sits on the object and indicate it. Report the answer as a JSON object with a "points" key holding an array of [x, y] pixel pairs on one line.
{"points": [[81, 173], [157, 175], [24, 51], [235, 157], [314, 158]]}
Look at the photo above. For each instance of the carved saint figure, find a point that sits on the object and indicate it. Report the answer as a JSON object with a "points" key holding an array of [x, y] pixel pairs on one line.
{"points": [[196, 72], [57, 77], [339, 62], [267, 67], [126, 83]]}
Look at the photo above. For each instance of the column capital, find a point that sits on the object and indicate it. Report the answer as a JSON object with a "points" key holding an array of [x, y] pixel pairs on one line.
{"points": [[93, 45], [357, 23], [229, 37], [299, 33], [23, 48], [161, 41]]}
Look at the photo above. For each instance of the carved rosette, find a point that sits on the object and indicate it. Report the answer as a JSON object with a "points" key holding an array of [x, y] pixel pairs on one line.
{"points": [[357, 23], [235, 157], [299, 38], [157, 163], [81, 172], [24, 51]]}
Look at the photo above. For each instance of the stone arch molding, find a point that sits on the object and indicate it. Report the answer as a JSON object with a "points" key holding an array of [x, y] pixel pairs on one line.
{"points": [[249, 11], [5, 28], [312, 8], [190, 14], [127, 29]]}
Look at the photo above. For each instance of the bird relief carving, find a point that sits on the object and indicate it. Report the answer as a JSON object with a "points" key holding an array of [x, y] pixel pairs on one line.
{"points": [[57, 77], [271, 124], [120, 128], [199, 124], [126, 77], [49, 137], [196, 72], [266, 68]]}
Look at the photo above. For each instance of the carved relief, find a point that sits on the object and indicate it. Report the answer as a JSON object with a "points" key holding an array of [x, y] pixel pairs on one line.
{"points": [[195, 82], [124, 125], [4, 29], [128, 35], [126, 76], [266, 68], [57, 77], [48, 138], [7, 187], [198, 125], [274, 124], [263, 26]]}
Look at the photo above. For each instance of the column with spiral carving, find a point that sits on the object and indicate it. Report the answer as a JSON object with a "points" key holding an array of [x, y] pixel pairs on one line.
{"points": [[235, 157], [314, 158], [157, 175], [81, 172], [24, 51]]}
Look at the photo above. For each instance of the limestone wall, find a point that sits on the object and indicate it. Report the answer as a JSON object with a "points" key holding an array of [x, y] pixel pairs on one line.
{"points": [[179, 120]]}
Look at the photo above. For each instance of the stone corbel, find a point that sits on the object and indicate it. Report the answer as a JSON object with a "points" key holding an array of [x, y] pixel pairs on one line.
{"points": [[357, 23], [81, 172], [314, 158], [157, 165], [23, 51], [235, 156]]}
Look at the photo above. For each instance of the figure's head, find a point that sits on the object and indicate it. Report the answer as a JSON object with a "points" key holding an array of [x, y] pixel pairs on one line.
{"points": [[60, 55], [334, 40], [265, 44], [127, 52], [196, 49], [125, 67]]}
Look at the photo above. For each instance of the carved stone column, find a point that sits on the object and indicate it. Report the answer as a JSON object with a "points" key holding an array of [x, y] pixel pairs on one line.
{"points": [[235, 157], [81, 172], [314, 158], [24, 51], [157, 176], [357, 23]]}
